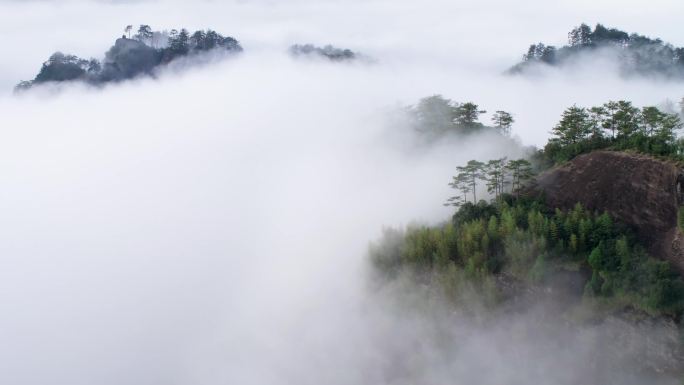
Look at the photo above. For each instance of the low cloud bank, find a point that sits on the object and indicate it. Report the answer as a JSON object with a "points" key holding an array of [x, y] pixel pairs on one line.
{"points": [[212, 225]]}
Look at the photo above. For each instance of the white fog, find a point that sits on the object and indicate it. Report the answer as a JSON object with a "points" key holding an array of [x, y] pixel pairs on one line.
{"points": [[211, 225]]}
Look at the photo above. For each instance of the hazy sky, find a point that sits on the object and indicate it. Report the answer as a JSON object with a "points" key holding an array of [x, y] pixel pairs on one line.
{"points": [[449, 47], [210, 226]]}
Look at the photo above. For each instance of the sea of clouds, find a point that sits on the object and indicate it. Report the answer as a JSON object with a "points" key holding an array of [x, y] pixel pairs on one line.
{"points": [[210, 226]]}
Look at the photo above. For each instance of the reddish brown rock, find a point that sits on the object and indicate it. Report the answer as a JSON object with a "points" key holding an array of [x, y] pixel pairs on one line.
{"points": [[638, 190]]}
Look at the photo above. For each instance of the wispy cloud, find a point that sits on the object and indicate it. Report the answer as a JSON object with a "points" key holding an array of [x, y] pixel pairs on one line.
{"points": [[210, 226]]}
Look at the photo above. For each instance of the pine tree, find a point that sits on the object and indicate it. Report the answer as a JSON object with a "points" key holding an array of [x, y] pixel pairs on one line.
{"points": [[652, 119], [434, 114], [494, 176], [668, 127], [521, 171], [597, 117], [199, 40], [467, 115], [573, 127], [145, 34], [503, 121], [460, 182], [474, 172], [627, 119], [580, 36], [610, 121]]}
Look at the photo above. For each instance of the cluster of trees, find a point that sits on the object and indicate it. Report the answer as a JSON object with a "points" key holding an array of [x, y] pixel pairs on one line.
{"points": [[130, 57], [516, 235], [438, 115], [329, 52], [60, 67], [540, 53], [182, 43], [526, 240], [497, 174], [638, 54], [146, 35], [617, 125]]}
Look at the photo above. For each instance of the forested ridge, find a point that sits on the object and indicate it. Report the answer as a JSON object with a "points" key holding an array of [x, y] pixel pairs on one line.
{"points": [[141, 53], [132, 55], [615, 125], [501, 231], [635, 54]]}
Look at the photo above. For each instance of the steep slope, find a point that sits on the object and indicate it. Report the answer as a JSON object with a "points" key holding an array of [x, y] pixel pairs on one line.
{"points": [[640, 191]]}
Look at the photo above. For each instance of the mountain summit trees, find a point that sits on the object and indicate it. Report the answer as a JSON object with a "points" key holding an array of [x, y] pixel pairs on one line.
{"points": [[131, 57], [618, 125], [497, 174], [438, 115], [574, 126], [503, 121], [635, 54], [145, 34]]}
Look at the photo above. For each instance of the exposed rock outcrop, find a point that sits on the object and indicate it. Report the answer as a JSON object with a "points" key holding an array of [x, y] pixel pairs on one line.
{"points": [[638, 190]]}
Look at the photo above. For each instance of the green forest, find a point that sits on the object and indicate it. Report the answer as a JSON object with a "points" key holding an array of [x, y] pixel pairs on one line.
{"points": [[616, 125], [526, 240], [499, 230]]}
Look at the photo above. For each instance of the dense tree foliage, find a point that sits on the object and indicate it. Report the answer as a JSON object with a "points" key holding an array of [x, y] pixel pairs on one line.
{"points": [[437, 115], [525, 240], [520, 237], [637, 54], [60, 67], [329, 52], [497, 174], [615, 125], [131, 57]]}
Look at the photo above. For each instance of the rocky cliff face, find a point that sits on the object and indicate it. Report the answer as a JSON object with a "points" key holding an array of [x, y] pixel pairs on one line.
{"points": [[640, 191]]}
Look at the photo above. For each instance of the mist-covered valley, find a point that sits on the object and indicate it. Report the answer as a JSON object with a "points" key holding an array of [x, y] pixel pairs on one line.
{"points": [[212, 223]]}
